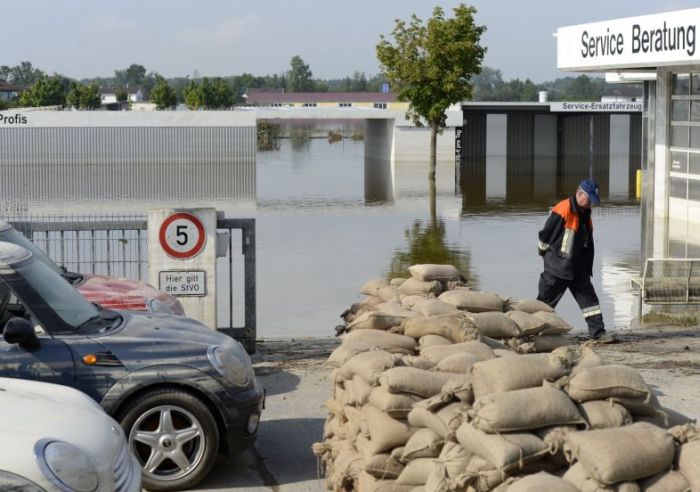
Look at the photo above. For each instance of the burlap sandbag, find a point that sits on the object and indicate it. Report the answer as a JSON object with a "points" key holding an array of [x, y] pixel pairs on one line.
{"points": [[427, 272], [586, 358], [364, 340], [554, 325], [383, 466], [414, 381], [367, 483], [384, 432], [477, 349], [457, 363], [496, 325], [472, 300], [388, 293], [512, 373], [624, 454], [670, 481], [455, 458], [412, 287], [504, 353], [444, 422], [375, 320], [346, 469], [540, 482], [424, 443], [395, 308], [416, 361], [368, 365], [416, 472], [397, 281], [433, 307], [601, 382], [503, 451], [530, 306], [525, 409], [541, 344], [358, 391], [452, 326], [409, 302], [579, 478], [600, 414], [396, 405], [666, 417], [431, 340], [528, 323], [371, 288], [493, 343], [684, 433], [689, 463]]}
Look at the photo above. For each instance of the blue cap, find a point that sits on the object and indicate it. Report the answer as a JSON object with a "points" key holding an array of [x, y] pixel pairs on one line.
{"points": [[591, 188]]}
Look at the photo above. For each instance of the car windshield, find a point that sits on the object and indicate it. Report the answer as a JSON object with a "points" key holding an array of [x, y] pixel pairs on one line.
{"points": [[56, 292], [13, 236]]}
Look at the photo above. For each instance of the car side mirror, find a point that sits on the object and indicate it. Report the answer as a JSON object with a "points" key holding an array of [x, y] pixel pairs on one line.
{"points": [[21, 332]]}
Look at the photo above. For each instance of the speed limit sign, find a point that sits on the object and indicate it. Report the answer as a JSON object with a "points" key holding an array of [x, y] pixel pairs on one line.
{"points": [[182, 235]]}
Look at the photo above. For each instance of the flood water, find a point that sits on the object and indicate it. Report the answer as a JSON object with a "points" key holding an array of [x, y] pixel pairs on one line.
{"points": [[319, 240]]}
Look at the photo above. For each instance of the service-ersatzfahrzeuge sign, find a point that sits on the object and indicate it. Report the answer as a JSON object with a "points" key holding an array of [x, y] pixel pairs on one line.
{"points": [[645, 41]]}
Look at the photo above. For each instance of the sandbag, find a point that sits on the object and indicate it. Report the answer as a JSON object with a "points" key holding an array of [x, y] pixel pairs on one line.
{"points": [[388, 293], [601, 382], [555, 437], [424, 443], [601, 414], [528, 323], [512, 373], [358, 391], [689, 463], [503, 451], [554, 325], [638, 407], [541, 343], [414, 381], [397, 281], [444, 422], [452, 326], [371, 288], [368, 483], [427, 272], [396, 405], [368, 365], [433, 307], [669, 481], [587, 358], [416, 472], [363, 340], [495, 325], [412, 287], [579, 478], [525, 409], [430, 340], [375, 320], [409, 302], [666, 418], [477, 349], [530, 306], [395, 308], [624, 454], [472, 300], [416, 361], [384, 432], [457, 363], [540, 482], [383, 466], [455, 458], [347, 466]]}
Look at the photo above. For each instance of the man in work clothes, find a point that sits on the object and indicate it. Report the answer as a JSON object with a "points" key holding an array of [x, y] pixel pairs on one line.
{"points": [[566, 244]]}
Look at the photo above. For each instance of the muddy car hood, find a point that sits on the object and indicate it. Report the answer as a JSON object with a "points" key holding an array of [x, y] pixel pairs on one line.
{"points": [[124, 293]]}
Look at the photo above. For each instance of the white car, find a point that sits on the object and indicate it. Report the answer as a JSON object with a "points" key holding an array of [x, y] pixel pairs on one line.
{"points": [[55, 438]]}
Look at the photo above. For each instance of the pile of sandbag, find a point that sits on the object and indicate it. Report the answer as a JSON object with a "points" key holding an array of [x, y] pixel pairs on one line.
{"points": [[428, 401]]}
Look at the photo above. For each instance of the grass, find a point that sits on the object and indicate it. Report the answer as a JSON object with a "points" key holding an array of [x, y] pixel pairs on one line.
{"points": [[672, 319]]}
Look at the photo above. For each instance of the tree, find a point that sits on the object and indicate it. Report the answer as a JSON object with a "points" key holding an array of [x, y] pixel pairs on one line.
{"points": [[47, 91], [162, 95], [299, 76], [82, 96], [23, 74], [122, 95], [135, 75], [431, 65]]}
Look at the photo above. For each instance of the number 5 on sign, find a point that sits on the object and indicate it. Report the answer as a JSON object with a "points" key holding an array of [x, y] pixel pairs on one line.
{"points": [[182, 235]]}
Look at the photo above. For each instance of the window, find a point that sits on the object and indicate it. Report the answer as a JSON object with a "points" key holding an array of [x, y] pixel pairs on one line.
{"points": [[380, 105], [309, 105], [345, 105]]}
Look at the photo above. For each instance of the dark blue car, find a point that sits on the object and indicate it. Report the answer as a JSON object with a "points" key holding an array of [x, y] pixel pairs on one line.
{"points": [[182, 392]]}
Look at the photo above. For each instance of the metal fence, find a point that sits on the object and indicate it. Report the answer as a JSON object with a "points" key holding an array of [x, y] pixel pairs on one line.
{"points": [[116, 245]]}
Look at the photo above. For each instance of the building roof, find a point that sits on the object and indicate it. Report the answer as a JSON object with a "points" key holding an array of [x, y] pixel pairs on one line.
{"points": [[113, 90], [6, 87], [268, 97]]}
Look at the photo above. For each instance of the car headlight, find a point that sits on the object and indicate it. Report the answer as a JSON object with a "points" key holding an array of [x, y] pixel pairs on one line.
{"points": [[66, 466], [15, 483], [233, 366], [168, 306]]}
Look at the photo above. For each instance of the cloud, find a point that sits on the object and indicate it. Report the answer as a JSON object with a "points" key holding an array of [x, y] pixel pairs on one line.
{"points": [[222, 32], [110, 24]]}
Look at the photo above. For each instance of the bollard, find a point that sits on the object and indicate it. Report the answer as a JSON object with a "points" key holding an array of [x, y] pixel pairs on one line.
{"points": [[639, 184]]}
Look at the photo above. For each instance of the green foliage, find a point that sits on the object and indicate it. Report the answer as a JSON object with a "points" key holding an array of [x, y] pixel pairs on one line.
{"points": [[135, 75], [46, 91], [82, 96], [208, 94], [299, 76], [162, 95], [268, 135], [431, 65], [22, 75], [122, 95]]}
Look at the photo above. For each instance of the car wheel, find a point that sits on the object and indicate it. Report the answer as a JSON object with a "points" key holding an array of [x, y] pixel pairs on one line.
{"points": [[173, 435]]}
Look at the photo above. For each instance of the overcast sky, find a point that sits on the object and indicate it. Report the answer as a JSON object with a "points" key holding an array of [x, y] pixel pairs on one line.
{"points": [[86, 38]]}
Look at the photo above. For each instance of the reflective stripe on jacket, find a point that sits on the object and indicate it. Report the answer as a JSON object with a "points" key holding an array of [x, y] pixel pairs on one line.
{"points": [[567, 240]]}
